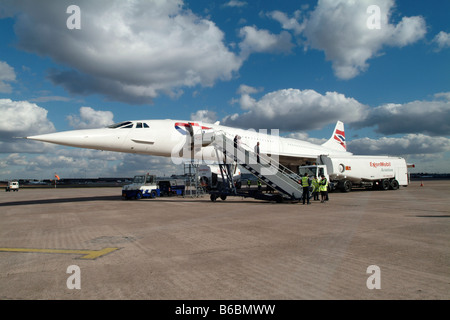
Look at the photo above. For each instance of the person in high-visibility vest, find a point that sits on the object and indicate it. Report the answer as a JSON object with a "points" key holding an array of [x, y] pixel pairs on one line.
{"points": [[315, 188], [259, 185], [323, 188], [305, 184], [248, 183]]}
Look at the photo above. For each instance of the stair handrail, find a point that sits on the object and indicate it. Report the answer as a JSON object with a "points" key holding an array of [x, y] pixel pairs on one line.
{"points": [[294, 179]]}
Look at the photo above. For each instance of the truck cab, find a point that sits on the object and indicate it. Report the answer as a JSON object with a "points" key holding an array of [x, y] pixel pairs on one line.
{"points": [[143, 186], [316, 171], [12, 186], [313, 171]]}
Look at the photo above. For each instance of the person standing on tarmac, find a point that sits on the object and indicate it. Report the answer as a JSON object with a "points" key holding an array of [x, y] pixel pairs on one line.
{"points": [[257, 152], [305, 184], [315, 188], [323, 187]]}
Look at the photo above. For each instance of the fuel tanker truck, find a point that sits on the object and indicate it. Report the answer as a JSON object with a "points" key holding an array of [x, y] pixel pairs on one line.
{"points": [[345, 173]]}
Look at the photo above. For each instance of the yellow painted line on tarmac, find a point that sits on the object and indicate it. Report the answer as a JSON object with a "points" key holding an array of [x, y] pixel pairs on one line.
{"points": [[86, 254]]}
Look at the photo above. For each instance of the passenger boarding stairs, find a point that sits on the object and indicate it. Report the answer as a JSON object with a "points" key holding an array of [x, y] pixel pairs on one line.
{"points": [[267, 169]]}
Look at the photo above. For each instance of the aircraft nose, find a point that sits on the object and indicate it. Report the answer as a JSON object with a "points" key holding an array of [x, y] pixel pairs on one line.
{"points": [[100, 139], [58, 138], [75, 138]]}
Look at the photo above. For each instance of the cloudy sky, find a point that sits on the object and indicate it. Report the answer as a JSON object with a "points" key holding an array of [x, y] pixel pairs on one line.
{"points": [[380, 66]]}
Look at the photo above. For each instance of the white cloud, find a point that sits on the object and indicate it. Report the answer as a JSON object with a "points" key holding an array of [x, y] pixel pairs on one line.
{"points": [[300, 110], [235, 3], [442, 39], [50, 98], [204, 116], [288, 23], [410, 144], [296, 110], [127, 50], [80, 163], [305, 137], [443, 95], [23, 118], [90, 118], [255, 40], [339, 28], [141, 164], [429, 117], [245, 89], [7, 74], [72, 163]]}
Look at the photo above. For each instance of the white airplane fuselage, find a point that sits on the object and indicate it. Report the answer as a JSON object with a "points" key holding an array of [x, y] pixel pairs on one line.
{"points": [[168, 138]]}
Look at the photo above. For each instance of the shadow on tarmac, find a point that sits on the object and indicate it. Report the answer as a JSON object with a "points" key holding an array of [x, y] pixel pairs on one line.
{"points": [[60, 200], [119, 198]]}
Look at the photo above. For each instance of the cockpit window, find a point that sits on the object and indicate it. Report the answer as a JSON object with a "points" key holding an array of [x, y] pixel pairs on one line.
{"points": [[128, 125], [125, 124]]}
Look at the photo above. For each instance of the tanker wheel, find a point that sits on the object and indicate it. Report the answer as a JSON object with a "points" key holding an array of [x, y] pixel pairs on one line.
{"points": [[394, 184], [347, 186], [385, 184], [223, 197], [213, 197]]}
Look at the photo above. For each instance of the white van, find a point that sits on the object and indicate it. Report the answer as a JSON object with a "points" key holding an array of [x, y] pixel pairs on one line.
{"points": [[12, 186]]}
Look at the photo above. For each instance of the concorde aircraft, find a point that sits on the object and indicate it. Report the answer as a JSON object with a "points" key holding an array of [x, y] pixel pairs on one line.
{"points": [[179, 140]]}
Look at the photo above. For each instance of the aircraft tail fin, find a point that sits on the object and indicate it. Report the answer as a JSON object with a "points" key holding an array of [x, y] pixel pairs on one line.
{"points": [[337, 141]]}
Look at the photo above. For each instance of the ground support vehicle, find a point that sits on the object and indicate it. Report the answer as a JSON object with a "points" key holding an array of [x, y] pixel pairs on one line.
{"points": [[169, 188], [12, 186], [374, 172], [143, 186]]}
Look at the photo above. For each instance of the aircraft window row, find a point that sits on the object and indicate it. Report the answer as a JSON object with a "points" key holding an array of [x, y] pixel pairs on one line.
{"points": [[128, 125]]}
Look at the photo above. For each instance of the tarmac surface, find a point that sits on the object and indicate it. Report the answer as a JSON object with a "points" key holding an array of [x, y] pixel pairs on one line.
{"points": [[191, 248]]}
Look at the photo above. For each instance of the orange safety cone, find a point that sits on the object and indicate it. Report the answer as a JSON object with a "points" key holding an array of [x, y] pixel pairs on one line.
{"points": [[421, 184]]}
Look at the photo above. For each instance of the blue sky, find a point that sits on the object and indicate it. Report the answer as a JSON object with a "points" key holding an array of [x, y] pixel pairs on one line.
{"points": [[297, 66]]}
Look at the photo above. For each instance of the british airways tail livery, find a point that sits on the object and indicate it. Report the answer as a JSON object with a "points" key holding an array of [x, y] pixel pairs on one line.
{"points": [[337, 140], [182, 139]]}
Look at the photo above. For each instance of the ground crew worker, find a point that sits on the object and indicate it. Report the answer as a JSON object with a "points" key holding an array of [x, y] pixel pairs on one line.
{"points": [[315, 188], [323, 188], [305, 184], [248, 183], [259, 185]]}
